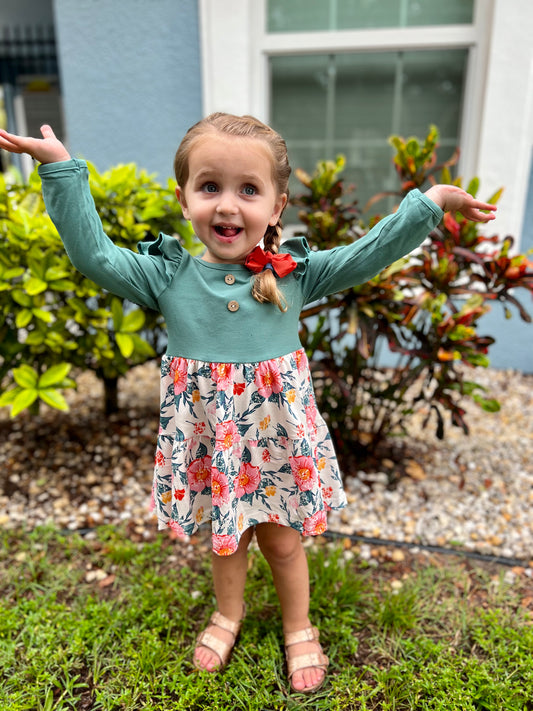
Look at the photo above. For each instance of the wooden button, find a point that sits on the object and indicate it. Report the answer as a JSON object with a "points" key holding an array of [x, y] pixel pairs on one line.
{"points": [[233, 305], [229, 279]]}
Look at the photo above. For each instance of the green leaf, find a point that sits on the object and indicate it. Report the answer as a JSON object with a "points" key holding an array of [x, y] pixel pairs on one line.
{"points": [[7, 397], [125, 344], [54, 375], [43, 315], [25, 376], [117, 314], [35, 286], [23, 318], [54, 399], [133, 321], [487, 404], [21, 298], [23, 400]]}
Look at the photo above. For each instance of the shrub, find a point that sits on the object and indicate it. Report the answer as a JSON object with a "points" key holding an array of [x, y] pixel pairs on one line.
{"points": [[54, 318], [424, 309]]}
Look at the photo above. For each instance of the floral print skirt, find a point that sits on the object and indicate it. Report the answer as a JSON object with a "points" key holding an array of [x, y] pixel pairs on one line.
{"points": [[241, 444]]}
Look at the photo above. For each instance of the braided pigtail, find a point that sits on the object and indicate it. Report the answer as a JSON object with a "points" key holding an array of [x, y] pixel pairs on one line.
{"points": [[264, 284]]}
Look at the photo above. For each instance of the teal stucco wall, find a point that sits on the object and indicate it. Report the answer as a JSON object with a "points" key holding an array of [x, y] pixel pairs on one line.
{"points": [[131, 78]]}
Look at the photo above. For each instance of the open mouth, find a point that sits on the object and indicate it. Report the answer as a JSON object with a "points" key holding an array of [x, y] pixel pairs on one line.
{"points": [[227, 231]]}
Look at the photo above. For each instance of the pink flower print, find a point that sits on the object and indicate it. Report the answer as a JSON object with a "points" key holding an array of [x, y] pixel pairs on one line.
{"points": [[315, 524], [227, 435], [178, 370], [247, 480], [219, 488], [224, 545], [222, 374], [268, 378], [304, 472], [199, 473], [311, 415], [176, 529]]}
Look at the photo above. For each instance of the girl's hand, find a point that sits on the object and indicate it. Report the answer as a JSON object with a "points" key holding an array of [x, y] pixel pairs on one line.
{"points": [[47, 149], [450, 198]]}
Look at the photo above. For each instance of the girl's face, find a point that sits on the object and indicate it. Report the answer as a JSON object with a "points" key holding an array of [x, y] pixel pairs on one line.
{"points": [[230, 196]]}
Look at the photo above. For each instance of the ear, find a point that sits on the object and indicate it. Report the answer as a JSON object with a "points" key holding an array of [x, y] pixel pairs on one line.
{"points": [[278, 209], [180, 194]]}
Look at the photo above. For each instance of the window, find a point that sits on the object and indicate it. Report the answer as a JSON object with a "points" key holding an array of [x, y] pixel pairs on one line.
{"points": [[344, 75], [306, 15]]}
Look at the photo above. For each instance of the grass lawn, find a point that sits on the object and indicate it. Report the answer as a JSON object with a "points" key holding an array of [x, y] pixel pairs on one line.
{"points": [[110, 623]]}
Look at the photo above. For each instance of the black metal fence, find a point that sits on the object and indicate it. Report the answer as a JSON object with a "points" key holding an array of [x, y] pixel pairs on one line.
{"points": [[25, 51]]}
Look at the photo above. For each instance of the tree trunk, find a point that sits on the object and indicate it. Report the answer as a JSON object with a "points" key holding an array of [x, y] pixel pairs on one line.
{"points": [[110, 395]]}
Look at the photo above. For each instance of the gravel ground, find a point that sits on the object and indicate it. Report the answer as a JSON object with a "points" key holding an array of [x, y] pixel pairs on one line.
{"points": [[474, 493]]}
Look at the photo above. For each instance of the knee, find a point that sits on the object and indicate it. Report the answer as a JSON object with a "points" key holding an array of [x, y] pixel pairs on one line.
{"points": [[278, 544]]}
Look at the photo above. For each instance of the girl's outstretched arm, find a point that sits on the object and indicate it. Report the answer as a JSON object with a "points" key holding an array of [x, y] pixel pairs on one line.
{"points": [[47, 149], [450, 198]]}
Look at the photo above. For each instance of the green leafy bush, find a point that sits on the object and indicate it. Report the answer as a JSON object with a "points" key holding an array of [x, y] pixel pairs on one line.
{"points": [[52, 317], [424, 309]]}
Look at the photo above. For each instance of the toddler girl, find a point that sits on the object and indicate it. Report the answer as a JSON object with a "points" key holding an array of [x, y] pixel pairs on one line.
{"points": [[240, 442]]}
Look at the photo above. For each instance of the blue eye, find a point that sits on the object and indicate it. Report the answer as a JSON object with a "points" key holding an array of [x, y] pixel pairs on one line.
{"points": [[249, 190], [209, 188]]}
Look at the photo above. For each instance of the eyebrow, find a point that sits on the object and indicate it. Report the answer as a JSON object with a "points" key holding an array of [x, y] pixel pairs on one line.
{"points": [[205, 173]]}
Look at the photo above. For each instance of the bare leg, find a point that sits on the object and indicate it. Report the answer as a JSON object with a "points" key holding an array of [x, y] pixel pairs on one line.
{"points": [[283, 549], [229, 578]]}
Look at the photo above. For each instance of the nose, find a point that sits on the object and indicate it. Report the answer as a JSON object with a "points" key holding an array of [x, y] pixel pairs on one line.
{"points": [[227, 204]]}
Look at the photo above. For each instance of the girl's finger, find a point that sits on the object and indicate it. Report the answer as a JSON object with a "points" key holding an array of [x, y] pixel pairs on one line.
{"points": [[47, 132]]}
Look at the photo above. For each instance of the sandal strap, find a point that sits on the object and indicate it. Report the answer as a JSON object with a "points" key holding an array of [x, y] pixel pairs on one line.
{"points": [[216, 645], [303, 661], [309, 634], [219, 620]]}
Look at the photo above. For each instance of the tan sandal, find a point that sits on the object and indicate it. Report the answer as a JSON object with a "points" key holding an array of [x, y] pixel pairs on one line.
{"points": [[220, 648], [304, 661]]}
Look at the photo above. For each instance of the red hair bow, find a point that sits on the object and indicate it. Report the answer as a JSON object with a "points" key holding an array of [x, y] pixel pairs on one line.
{"points": [[259, 260]]}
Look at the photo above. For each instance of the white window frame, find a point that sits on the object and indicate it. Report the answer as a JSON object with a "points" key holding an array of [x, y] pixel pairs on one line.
{"points": [[497, 119]]}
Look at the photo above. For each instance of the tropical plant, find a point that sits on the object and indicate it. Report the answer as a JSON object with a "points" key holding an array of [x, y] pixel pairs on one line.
{"points": [[425, 309]]}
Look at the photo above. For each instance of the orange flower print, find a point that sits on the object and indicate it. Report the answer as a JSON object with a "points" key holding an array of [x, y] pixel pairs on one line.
{"points": [[265, 423], [166, 497], [268, 378], [321, 463], [270, 490], [316, 524], [240, 522], [304, 472], [224, 545], [199, 473], [291, 395], [219, 488], [247, 480], [178, 370], [227, 435], [159, 459], [199, 515], [222, 374], [196, 396], [301, 360]]}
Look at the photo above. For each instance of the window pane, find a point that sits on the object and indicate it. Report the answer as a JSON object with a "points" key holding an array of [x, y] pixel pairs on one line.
{"points": [[324, 105], [309, 15]]}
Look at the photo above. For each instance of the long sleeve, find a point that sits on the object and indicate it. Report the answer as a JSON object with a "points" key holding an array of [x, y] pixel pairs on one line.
{"points": [[326, 272], [138, 277]]}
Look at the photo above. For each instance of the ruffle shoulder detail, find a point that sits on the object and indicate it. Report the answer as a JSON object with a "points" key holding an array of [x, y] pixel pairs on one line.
{"points": [[299, 249], [165, 246]]}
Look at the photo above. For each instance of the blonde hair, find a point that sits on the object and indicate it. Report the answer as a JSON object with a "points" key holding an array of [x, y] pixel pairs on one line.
{"points": [[264, 284]]}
